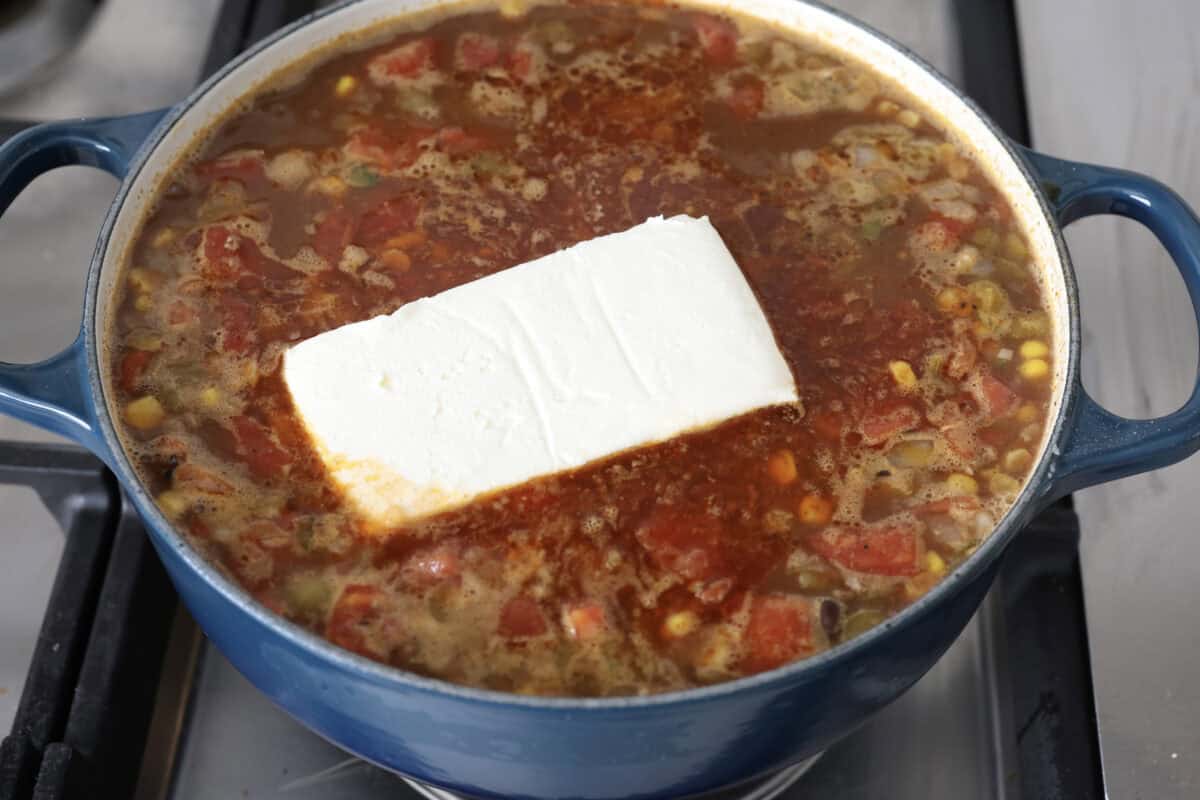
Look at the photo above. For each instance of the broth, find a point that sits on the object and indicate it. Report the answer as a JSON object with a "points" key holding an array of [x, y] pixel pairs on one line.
{"points": [[895, 279]]}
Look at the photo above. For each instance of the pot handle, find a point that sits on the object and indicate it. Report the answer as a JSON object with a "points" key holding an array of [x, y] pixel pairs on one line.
{"points": [[54, 394], [1101, 446]]}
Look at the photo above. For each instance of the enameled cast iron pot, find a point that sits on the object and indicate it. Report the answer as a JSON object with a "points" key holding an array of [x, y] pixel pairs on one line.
{"points": [[498, 745]]}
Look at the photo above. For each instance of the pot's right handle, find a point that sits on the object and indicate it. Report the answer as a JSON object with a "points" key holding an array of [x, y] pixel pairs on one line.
{"points": [[1100, 446], [54, 393]]}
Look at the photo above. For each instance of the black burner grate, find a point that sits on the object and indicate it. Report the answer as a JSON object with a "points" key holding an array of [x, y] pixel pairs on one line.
{"points": [[81, 723]]}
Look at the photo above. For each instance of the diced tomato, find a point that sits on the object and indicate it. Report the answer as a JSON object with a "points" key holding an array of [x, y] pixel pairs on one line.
{"points": [[132, 366], [255, 446], [884, 549], [688, 544], [457, 142], [521, 616], [962, 358], [386, 219], [333, 233], [747, 99], [955, 227], [198, 479], [953, 421], [227, 255], [268, 536], [240, 165], [714, 591], [220, 253], [994, 437], [520, 63], [718, 39], [357, 607], [254, 565], [372, 146], [995, 398], [406, 61], [477, 51], [237, 317], [198, 528], [585, 621], [878, 428], [779, 631], [962, 440], [254, 261]]}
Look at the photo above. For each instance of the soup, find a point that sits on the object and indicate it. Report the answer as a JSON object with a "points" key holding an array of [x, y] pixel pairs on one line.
{"points": [[894, 278]]}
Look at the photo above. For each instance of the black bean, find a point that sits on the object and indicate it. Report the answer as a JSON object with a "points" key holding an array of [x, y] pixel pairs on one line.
{"points": [[831, 619]]}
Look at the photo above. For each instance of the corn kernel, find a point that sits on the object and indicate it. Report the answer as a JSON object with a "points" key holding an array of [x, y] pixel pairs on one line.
{"points": [[903, 375], [330, 185], [143, 303], [1027, 413], [961, 483], [345, 86], [145, 413], [142, 280], [908, 118], [954, 300], [887, 107], [210, 397], [987, 238], [1002, 484], [395, 259], [1014, 247], [512, 9], [716, 658], [143, 339], [935, 563], [680, 624], [1035, 323], [919, 585], [1035, 369], [163, 238], [1017, 460], [407, 240], [966, 259], [1034, 349], [989, 296], [815, 509], [781, 466], [911, 454], [172, 502]]}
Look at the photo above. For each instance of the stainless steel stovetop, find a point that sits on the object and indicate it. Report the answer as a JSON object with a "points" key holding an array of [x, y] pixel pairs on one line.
{"points": [[981, 724]]}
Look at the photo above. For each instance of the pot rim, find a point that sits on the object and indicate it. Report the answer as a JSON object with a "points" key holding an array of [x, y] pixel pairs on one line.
{"points": [[1035, 489]]}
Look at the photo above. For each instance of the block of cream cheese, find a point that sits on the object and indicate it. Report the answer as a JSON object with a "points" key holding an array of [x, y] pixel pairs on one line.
{"points": [[616, 342]]}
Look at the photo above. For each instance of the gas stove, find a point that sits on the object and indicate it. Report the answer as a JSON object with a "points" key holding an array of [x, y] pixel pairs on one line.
{"points": [[108, 688]]}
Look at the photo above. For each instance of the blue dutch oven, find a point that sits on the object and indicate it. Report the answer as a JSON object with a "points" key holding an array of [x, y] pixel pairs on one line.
{"points": [[489, 744]]}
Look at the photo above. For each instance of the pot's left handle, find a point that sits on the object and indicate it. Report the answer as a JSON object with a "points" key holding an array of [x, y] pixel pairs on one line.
{"points": [[54, 393], [1101, 446]]}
